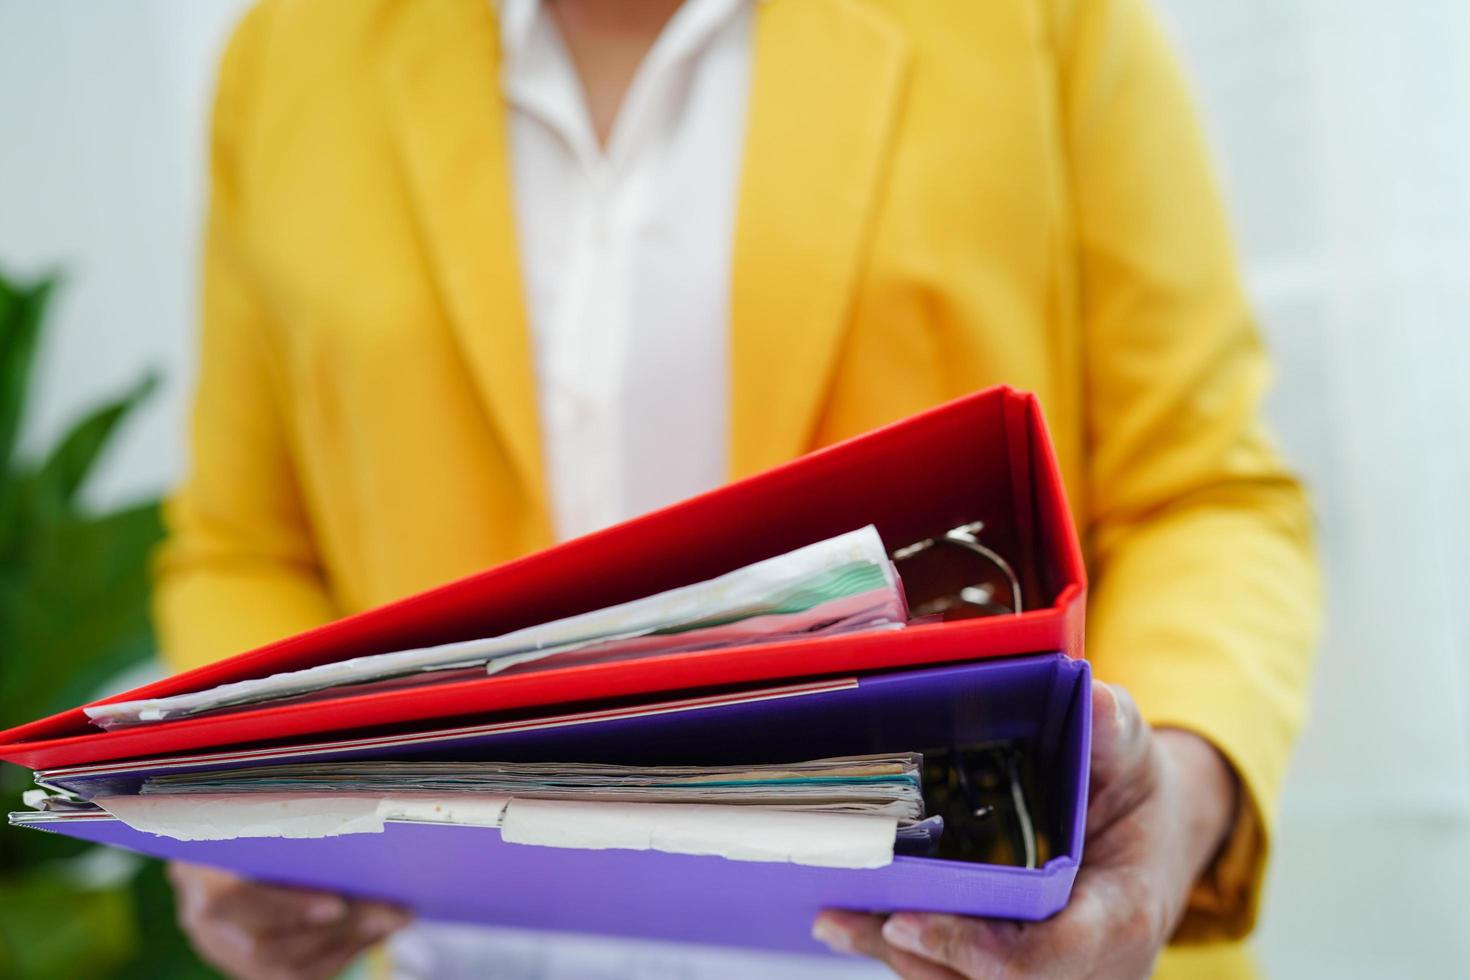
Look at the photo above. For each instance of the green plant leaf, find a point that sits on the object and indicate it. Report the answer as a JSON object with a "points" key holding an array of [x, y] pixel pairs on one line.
{"points": [[50, 928], [163, 952], [75, 611], [68, 465], [73, 614], [21, 315]]}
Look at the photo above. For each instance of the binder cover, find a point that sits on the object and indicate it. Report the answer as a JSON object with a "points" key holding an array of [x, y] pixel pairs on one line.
{"points": [[982, 457], [468, 874]]}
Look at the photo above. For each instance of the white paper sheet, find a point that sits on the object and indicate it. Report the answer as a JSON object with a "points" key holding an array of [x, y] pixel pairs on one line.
{"points": [[830, 840], [741, 594], [227, 816]]}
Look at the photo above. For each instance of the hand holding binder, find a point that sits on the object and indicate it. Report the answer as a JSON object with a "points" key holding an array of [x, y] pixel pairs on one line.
{"points": [[932, 686], [1154, 822], [246, 927]]}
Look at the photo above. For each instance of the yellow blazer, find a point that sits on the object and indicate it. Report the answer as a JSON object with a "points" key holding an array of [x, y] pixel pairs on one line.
{"points": [[936, 197]]}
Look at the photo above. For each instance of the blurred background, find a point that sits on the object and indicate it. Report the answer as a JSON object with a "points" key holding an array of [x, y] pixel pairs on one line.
{"points": [[1342, 145]]}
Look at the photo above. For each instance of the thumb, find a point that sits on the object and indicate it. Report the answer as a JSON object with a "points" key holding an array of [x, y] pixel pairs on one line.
{"points": [[1120, 737]]}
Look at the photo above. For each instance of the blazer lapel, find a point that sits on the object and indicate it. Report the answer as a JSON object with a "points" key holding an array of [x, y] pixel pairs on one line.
{"points": [[825, 89], [826, 84], [441, 74]]}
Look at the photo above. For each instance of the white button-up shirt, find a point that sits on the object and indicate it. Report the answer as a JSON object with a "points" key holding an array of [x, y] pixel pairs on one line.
{"points": [[625, 251], [626, 257]]}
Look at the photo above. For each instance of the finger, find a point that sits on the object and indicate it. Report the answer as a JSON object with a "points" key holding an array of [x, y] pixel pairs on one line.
{"points": [[306, 952], [1066, 945], [1120, 739], [208, 895], [328, 965], [374, 920], [975, 948], [367, 922], [377, 922], [284, 952], [268, 909], [862, 935]]}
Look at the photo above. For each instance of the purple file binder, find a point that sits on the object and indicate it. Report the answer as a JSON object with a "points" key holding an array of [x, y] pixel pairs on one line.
{"points": [[467, 874]]}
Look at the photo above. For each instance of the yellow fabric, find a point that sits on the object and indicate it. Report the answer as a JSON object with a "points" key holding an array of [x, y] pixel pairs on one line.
{"points": [[936, 197]]}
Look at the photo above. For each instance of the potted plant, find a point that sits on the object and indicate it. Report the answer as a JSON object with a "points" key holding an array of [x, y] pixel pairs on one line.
{"points": [[73, 614]]}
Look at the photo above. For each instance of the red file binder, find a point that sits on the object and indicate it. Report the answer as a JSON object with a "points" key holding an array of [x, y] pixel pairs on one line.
{"points": [[982, 457]]}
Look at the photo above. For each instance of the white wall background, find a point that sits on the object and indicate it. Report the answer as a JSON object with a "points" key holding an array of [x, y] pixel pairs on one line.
{"points": [[1342, 130]]}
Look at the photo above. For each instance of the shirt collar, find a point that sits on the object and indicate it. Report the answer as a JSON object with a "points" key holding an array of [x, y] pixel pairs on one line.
{"points": [[517, 19], [536, 75]]}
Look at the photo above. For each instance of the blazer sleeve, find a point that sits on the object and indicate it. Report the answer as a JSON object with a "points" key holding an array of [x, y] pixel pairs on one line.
{"points": [[1205, 597], [239, 566]]}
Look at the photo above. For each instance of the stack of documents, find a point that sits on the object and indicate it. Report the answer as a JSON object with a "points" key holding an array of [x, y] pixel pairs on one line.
{"points": [[843, 812], [795, 658], [885, 785], [839, 585]]}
